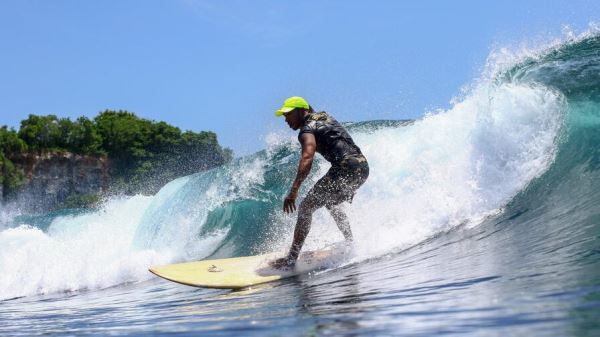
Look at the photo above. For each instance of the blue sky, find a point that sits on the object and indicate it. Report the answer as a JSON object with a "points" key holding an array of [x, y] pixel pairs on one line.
{"points": [[226, 66]]}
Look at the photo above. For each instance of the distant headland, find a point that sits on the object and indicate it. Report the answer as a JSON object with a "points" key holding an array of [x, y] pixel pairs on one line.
{"points": [[52, 162]]}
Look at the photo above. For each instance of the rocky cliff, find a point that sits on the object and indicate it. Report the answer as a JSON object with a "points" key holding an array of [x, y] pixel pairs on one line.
{"points": [[52, 178]]}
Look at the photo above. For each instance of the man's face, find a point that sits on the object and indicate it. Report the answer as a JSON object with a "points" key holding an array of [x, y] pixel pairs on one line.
{"points": [[294, 118]]}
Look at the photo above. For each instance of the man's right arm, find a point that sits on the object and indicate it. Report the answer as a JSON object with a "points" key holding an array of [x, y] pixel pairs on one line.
{"points": [[309, 147]]}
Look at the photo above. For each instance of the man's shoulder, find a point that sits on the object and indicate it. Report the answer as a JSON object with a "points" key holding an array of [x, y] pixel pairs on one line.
{"points": [[316, 123], [318, 120], [308, 127], [318, 116]]}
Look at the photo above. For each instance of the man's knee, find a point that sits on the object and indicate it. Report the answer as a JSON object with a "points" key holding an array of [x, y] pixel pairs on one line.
{"points": [[332, 206], [335, 208]]}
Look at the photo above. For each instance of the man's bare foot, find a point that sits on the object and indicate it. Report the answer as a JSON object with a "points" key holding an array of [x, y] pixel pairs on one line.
{"points": [[283, 263]]}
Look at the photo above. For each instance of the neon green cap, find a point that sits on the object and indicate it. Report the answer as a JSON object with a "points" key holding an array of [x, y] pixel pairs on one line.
{"points": [[291, 104]]}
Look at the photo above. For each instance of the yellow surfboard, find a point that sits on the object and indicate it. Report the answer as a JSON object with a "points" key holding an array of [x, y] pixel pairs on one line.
{"points": [[241, 272]]}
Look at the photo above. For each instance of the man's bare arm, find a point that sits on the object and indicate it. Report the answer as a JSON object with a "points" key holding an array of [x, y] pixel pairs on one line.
{"points": [[309, 146]]}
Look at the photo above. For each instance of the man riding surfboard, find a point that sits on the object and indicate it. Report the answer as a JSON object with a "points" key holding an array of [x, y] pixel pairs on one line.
{"points": [[319, 132]]}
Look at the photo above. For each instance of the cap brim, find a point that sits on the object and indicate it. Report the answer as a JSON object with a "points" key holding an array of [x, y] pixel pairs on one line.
{"points": [[283, 111]]}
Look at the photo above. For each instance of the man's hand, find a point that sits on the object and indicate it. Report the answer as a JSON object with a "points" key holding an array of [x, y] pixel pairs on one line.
{"points": [[289, 204], [283, 263]]}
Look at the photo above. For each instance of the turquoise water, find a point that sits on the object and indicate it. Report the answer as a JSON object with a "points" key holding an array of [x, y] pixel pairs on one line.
{"points": [[479, 220]]}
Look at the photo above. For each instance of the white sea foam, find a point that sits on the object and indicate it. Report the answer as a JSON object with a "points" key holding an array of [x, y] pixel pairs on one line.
{"points": [[85, 251], [453, 167], [88, 251]]}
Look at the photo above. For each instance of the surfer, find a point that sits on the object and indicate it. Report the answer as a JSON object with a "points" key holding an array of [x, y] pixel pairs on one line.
{"points": [[319, 132]]}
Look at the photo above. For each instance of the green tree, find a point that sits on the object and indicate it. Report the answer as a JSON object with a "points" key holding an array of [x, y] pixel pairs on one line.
{"points": [[10, 176], [10, 142], [124, 135], [41, 132], [82, 137]]}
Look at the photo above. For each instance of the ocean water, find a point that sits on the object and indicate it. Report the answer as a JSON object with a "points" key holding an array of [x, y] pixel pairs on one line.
{"points": [[483, 219]]}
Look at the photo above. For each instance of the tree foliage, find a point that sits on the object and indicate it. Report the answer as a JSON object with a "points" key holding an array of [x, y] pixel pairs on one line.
{"points": [[10, 176]]}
